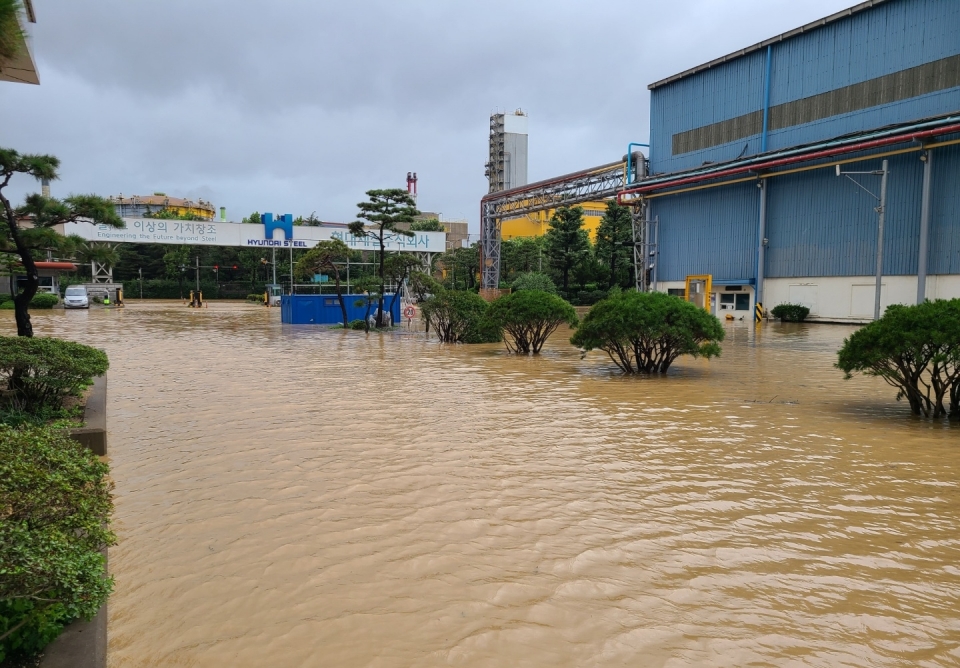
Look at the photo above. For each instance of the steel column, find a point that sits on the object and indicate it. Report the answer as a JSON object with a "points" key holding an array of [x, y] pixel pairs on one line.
{"points": [[882, 210], [761, 241], [923, 251]]}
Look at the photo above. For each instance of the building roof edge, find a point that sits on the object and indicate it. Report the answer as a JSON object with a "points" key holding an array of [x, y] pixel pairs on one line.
{"points": [[819, 23]]}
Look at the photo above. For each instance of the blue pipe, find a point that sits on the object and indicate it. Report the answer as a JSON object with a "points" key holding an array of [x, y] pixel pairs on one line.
{"points": [[630, 160], [766, 99]]}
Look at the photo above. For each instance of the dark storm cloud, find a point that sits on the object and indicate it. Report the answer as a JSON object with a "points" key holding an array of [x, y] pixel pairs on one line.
{"points": [[301, 106]]}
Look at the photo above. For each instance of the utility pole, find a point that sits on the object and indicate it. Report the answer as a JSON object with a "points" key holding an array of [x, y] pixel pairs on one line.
{"points": [[140, 272], [273, 250], [198, 275], [881, 215]]}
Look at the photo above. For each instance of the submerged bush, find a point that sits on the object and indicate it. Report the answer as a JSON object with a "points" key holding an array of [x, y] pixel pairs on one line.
{"points": [[55, 508], [256, 298], [43, 300], [460, 317], [644, 332], [528, 318], [41, 372], [915, 349], [358, 324], [790, 312]]}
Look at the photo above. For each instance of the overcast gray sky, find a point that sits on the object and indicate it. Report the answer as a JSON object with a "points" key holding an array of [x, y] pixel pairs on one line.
{"points": [[294, 106]]}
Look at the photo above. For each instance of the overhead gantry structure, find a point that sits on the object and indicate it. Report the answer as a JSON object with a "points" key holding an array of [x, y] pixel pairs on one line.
{"points": [[589, 185]]}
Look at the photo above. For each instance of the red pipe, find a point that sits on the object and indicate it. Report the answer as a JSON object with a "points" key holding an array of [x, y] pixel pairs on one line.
{"points": [[851, 148]]}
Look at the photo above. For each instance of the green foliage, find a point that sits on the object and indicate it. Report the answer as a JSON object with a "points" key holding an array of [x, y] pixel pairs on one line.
{"points": [[432, 225], [253, 219], [55, 496], [256, 298], [460, 317], [590, 297], [644, 332], [528, 318], [322, 258], [358, 324], [11, 34], [614, 245], [44, 300], [461, 267], [566, 243], [534, 281], [915, 349], [171, 214], [42, 372], [790, 312], [522, 255], [423, 285]]}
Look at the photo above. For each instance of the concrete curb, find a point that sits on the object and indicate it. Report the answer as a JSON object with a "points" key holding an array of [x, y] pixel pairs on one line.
{"points": [[84, 644], [94, 432]]}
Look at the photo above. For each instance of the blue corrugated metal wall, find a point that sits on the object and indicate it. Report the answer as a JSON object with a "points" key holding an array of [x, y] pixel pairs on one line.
{"points": [[888, 38], [945, 212], [708, 232], [822, 225]]}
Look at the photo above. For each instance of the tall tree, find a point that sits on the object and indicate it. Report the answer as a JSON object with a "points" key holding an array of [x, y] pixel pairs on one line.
{"points": [[378, 220], [324, 256], [567, 244], [39, 216], [175, 262], [614, 239]]}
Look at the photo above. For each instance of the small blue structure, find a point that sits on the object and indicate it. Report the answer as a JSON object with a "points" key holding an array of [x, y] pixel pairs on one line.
{"points": [[325, 309]]}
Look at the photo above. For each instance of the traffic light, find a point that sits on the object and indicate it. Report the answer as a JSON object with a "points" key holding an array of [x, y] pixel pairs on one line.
{"points": [[234, 266]]}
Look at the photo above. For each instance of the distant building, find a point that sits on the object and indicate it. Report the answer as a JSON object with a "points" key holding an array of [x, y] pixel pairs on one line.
{"points": [[507, 164], [457, 234], [137, 206]]}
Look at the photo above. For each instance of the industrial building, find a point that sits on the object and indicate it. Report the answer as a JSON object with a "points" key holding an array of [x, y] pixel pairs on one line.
{"points": [[19, 66], [140, 206], [743, 180], [743, 184]]}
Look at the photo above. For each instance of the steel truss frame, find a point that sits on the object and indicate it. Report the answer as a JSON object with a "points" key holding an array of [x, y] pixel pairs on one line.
{"points": [[594, 184]]}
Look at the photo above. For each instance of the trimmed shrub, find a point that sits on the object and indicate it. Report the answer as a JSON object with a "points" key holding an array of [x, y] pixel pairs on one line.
{"points": [[41, 372], [528, 318], [790, 312], [460, 317], [915, 349], [55, 496], [358, 324], [644, 332], [255, 298], [43, 300], [533, 280]]}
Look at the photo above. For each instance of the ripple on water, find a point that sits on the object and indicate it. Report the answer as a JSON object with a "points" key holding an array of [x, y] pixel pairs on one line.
{"points": [[289, 496]]}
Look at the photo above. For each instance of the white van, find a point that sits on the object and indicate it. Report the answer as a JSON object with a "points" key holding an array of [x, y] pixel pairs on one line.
{"points": [[76, 297]]}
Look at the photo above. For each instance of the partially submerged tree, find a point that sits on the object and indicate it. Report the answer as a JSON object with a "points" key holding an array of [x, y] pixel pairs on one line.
{"points": [[459, 317], [367, 286], [398, 267], [378, 220], [644, 332], [30, 227], [323, 257], [528, 318], [915, 349], [567, 244]]}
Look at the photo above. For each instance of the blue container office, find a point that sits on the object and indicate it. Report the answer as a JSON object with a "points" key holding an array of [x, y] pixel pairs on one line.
{"points": [[325, 309]]}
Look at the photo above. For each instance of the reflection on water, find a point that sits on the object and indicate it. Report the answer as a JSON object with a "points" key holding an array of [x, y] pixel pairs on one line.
{"points": [[289, 496]]}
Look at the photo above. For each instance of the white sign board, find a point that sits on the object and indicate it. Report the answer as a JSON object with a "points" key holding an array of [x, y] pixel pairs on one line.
{"points": [[204, 233]]}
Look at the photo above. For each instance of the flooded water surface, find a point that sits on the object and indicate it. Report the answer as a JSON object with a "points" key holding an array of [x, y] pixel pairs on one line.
{"points": [[292, 496]]}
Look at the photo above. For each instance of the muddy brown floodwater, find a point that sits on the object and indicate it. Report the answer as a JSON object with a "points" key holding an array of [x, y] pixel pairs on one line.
{"points": [[290, 496]]}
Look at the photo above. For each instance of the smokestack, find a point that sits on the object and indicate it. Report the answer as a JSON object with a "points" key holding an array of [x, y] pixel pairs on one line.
{"points": [[223, 213], [45, 187]]}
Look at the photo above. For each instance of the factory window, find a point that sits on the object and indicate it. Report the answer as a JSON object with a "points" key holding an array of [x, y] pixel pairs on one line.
{"points": [[677, 292], [743, 301]]}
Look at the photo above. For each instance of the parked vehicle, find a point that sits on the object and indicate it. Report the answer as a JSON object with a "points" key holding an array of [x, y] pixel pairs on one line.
{"points": [[76, 297]]}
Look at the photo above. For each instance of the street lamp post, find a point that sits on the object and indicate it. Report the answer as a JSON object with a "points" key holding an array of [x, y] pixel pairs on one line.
{"points": [[881, 213]]}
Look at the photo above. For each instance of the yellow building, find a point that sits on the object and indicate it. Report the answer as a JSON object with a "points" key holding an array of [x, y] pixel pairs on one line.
{"points": [[137, 206], [537, 224]]}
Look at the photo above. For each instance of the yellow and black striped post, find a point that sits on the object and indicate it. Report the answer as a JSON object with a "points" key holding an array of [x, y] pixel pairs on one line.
{"points": [[758, 313]]}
